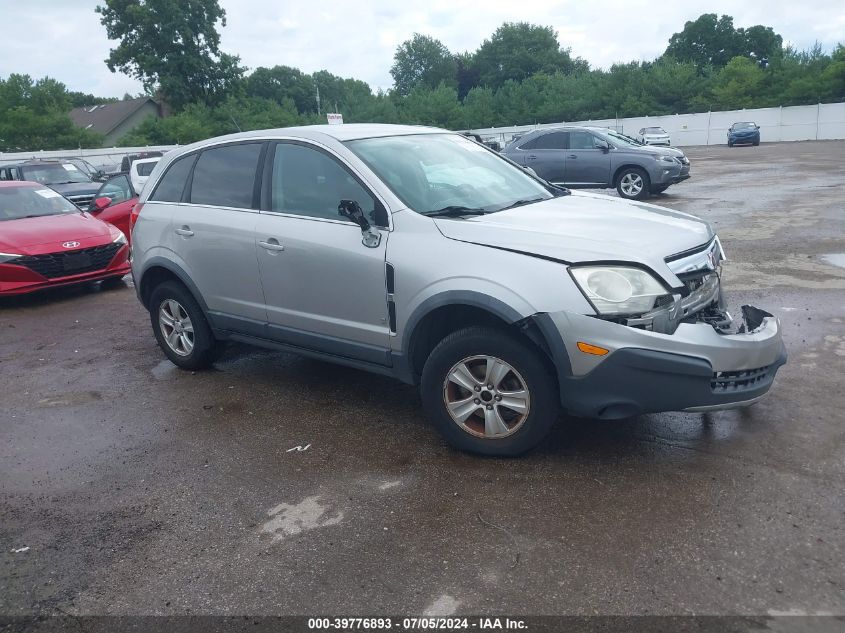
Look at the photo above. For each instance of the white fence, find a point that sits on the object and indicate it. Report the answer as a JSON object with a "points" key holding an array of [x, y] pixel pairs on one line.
{"points": [[795, 123], [99, 158]]}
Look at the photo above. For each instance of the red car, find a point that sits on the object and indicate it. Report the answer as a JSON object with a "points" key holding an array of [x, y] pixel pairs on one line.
{"points": [[46, 241]]}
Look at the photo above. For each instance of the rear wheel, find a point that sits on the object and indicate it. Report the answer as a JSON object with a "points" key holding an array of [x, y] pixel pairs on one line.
{"points": [[488, 392], [180, 327], [633, 183]]}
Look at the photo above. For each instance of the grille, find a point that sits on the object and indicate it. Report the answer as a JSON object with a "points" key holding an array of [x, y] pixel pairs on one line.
{"points": [[83, 202], [729, 381], [76, 262]]}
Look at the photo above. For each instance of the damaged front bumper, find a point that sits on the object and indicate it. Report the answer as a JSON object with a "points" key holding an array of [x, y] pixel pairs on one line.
{"points": [[696, 367]]}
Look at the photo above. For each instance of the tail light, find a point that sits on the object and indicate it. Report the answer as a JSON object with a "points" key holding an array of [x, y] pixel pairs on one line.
{"points": [[133, 215]]}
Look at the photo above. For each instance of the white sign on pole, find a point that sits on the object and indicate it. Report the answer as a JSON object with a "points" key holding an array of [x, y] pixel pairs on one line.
{"points": [[334, 118]]}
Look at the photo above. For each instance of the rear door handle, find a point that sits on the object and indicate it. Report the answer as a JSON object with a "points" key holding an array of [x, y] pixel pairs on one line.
{"points": [[572, 155], [185, 231], [272, 244], [532, 157]]}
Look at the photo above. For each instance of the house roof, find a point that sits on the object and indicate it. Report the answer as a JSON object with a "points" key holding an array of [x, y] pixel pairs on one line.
{"points": [[105, 118]]}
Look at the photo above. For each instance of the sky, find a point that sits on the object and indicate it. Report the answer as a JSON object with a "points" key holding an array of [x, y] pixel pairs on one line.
{"points": [[64, 39]]}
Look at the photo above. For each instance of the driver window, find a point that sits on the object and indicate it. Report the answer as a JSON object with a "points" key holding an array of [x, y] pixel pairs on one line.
{"points": [[308, 182], [118, 189]]}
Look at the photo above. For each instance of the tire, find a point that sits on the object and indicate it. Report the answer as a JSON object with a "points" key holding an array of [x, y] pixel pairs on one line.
{"points": [[730, 144], [635, 182], [191, 349], [494, 428], [756, 143]]}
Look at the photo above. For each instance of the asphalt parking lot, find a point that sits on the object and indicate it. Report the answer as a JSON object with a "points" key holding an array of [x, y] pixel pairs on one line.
{"points": [[142, 489]]}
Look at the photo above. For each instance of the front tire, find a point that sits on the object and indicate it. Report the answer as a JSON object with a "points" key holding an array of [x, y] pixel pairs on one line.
{"points": [[489, 392], [180, 327], [633, 183]]}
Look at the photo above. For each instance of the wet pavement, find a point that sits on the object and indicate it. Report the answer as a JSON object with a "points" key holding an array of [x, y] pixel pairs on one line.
{"points": [[279, 485]]}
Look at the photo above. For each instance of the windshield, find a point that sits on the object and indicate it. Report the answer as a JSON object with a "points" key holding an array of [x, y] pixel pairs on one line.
{"points": [[619, 140], [744, 125], [54, 174], [32, 202], [654, 130], [433, 172]]}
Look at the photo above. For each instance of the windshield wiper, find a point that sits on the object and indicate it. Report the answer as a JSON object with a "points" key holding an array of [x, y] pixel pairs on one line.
{"points": [[520, 203], [455, 211]]}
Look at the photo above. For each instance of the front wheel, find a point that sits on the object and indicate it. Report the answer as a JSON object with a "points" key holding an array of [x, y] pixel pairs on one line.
{"points": [[488, 392], [633, 183]]}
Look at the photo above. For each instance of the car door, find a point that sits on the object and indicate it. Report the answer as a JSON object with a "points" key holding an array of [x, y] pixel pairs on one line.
{"points": [[119, 190], [546, 155], [214, 234], [325, 290], [586, 162]]}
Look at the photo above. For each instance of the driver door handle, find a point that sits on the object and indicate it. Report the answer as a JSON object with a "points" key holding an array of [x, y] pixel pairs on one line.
{"points": [[272, 244], [185, 231], [572, 155], [532, 157]]}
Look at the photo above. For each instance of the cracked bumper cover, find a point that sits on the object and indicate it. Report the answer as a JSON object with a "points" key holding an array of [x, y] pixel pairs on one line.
{"points": [[696, 368]]}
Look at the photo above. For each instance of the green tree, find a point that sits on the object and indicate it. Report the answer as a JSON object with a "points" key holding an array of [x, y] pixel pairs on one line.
{"points": [[422, 61], [172, 47], [712, 40], [709, 40], [35, 116], [283, 82], [518, 50], [738, 84], [438, 106]]}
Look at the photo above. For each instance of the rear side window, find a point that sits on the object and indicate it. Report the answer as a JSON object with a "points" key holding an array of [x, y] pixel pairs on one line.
{"points": [[172, 184], [225, 176], [552, 140], [144, 169]]}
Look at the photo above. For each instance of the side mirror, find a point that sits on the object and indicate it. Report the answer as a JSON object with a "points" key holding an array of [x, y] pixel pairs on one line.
{"points": [[353, 212], [603, 146], [101, 203]]}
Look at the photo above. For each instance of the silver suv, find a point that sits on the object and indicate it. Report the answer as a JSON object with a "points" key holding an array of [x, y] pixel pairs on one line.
{"points": [[421, 254]]}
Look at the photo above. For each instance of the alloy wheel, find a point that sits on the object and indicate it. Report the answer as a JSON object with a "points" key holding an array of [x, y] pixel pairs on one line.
{"points": [[631, 184], [176, 327], [486, 397]]}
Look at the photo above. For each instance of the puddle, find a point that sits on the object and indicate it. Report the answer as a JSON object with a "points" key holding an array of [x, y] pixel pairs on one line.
{"points": [[835, 259]]}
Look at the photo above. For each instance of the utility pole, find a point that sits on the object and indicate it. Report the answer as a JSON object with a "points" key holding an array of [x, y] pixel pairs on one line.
{"points": [[318, 98]]}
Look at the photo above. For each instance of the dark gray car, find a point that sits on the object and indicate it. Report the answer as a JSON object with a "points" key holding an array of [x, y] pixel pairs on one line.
{"points": [[599, 158]]}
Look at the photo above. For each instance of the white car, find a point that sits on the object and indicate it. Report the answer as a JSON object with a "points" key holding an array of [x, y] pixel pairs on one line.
{"points": [[653, 136], [140, 170]]}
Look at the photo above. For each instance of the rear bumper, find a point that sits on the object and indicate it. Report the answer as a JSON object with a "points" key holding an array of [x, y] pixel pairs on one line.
{"points": [[694, 369]]}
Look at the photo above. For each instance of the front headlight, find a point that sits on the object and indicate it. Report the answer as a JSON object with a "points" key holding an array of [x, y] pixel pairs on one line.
{"points": [[667, 159], [5, 257], [120, 239], [618, 290]]}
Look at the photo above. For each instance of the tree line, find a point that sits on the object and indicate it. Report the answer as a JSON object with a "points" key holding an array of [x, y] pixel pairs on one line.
{"points": [[519, 75]]}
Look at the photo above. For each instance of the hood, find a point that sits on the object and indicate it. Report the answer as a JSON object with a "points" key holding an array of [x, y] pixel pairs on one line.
{"points": [[586, 227], [77, 188], [653, 150], [30, 236]]}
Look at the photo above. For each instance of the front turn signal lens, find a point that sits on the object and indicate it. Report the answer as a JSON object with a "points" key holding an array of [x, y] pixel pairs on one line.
{"points": [[595, 350]]}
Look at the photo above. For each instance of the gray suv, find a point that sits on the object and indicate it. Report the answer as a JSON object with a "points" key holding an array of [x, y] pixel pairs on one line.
{"points": [[599, 158], [423, 255]]}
